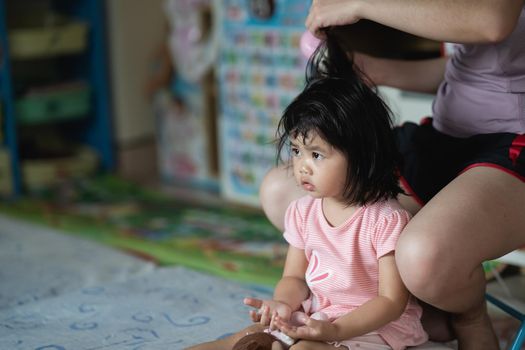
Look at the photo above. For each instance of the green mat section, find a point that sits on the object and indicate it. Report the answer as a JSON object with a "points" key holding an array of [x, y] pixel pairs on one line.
{"points": [[236, 243]]}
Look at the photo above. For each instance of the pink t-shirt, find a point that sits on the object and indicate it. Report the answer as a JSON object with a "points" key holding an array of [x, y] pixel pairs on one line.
{"points": [[343, 266]]}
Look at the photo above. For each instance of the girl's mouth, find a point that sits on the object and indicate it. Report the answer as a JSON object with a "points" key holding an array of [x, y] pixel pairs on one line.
{"points": [[307, 186]]}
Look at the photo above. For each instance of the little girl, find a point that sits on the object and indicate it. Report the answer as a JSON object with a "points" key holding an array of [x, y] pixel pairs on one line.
{"points": [[340, 286]]}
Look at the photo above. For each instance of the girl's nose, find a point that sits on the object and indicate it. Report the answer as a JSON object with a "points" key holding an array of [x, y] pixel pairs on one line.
{"points": [[303, 170]]}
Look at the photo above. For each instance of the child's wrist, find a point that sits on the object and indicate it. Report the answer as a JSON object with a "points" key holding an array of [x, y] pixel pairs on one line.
{"points": [[284, 302], [339, 333]]}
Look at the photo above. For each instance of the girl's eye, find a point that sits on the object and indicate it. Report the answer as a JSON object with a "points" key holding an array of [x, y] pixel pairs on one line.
{"points": [[316, 155], [295, 151]]}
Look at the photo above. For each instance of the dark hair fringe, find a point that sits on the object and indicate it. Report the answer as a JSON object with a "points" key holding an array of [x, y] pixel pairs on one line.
{"points": [[346, 112]]}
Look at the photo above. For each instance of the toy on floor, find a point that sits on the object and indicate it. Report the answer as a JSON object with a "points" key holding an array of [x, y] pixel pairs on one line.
{"points": [[264, 341]]}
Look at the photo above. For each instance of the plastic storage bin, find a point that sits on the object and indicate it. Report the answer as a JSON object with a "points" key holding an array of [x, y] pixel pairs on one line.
{"points": [[46, 35], [53, 104], [41, 173], [6, 181]]}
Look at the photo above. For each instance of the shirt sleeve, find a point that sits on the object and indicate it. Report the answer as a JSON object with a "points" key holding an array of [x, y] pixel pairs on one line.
{"points": [[388, 230], [294, 225]]}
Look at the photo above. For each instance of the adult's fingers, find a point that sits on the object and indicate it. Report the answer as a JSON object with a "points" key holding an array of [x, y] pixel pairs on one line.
{"points": [[312, 21]]}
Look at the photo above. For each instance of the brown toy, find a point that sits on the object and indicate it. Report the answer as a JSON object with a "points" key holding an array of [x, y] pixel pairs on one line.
{"points": [[258, 341]]}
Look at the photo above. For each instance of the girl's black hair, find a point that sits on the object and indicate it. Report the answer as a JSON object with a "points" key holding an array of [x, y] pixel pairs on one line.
{"points": [[337, 104]]}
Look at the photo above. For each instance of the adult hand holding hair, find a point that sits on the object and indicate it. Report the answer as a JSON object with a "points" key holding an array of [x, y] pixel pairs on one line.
{"points": [[465, 21], [324, 14]]}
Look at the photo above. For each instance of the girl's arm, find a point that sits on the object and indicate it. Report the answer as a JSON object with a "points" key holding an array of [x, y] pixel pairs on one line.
{"points": [[292, 288], [290, 292], [418, 76], [462, 21], [372, 315]]}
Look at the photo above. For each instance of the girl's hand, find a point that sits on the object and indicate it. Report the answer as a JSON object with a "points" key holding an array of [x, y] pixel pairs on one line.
{"points": [[267, 309], [311, 330], [328, 13]]}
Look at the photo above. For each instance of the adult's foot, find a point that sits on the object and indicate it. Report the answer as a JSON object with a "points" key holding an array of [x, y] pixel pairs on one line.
{"points": [[474, 330], [437, 323]]}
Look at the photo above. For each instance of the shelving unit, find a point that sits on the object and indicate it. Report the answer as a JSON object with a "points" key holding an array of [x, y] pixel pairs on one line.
{"points": [[67, 71]]}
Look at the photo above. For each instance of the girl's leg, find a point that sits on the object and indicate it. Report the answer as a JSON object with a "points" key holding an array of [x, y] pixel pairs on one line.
{"points": [[477, 217], [227, 343], [365, 342], [314, 345], [277, 191]]}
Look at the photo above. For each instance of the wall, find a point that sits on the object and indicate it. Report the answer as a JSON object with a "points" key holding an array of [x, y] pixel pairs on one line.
{"points": [[136, 28], [407, 106]]}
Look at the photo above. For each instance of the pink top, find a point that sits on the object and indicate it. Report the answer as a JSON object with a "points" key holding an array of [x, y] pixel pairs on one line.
{"points": [[343, 269], [484, 88]]}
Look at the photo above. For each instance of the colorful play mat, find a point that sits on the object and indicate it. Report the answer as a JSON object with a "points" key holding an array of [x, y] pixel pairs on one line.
{"points": [[233, 242], [236, 243]]}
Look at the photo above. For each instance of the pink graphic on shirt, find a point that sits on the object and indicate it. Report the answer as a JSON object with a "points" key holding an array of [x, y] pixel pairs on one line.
{"points": [[312, 275]]}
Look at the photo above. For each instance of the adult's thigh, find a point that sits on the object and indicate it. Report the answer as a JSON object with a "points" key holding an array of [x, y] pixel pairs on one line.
{"points": [[477, 217]]}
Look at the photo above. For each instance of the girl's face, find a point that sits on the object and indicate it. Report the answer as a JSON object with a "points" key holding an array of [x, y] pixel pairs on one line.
{"points": [[318, 168]]}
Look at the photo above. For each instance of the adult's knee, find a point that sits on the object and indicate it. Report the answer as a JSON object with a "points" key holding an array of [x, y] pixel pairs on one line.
{"points": [[271, 187], [422, 264], [276, 192]]}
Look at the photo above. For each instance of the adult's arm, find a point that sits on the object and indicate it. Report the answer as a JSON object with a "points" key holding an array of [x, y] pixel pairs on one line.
{"points": [[418, 75], [460, 21]]}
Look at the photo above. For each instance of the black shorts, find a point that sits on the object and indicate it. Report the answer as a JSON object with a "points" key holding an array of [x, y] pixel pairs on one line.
{"points": [[432, 159]]}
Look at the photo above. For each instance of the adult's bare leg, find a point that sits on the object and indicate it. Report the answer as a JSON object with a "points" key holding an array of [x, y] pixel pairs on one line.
{"points": [[409, 203], [278, 189], [436, 322], [477, 217]]}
